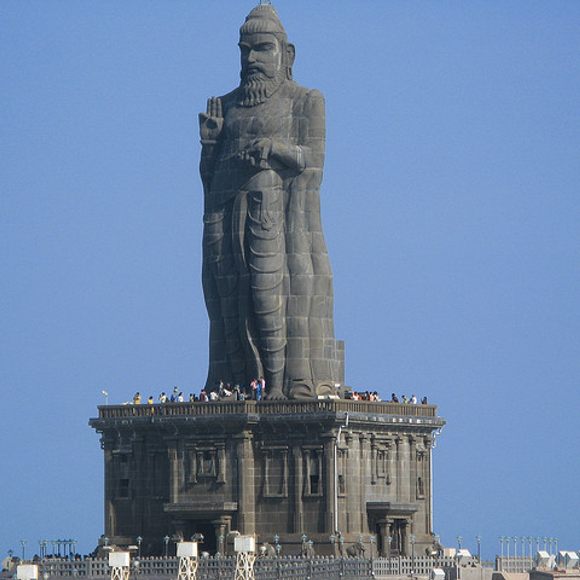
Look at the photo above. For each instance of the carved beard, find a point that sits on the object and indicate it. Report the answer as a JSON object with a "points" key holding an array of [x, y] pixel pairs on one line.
{"points": [[257, 88]]}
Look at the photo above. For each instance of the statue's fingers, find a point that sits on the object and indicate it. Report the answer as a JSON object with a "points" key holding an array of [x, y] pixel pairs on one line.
{"points": [[209, 107], [219, 112]]}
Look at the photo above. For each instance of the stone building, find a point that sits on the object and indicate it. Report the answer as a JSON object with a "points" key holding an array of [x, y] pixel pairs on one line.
{"points": [[330, 469]]}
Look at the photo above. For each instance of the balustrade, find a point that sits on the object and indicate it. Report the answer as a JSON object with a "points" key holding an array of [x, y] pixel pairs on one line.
{"points": [[219, 568], [201, 409]]}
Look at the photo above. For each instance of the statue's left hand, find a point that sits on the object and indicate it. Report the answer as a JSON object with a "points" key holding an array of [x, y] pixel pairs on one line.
{"points": [[258, 153]]}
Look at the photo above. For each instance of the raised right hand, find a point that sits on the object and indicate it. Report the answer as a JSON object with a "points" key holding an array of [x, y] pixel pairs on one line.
{"points": [[212, 122]]}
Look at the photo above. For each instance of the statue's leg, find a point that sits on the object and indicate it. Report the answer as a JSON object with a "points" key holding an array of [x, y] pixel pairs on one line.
{"points": [[220, 280], [266, 259]]}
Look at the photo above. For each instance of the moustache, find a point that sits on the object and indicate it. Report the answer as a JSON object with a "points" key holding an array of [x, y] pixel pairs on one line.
{"points": [[254, 71]]}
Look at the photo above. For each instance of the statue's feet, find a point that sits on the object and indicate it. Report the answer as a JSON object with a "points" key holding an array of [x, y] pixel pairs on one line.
{"points": [[276, 395]]}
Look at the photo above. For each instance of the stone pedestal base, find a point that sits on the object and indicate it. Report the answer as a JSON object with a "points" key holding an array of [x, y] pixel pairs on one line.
{"points": [[290, 471]]}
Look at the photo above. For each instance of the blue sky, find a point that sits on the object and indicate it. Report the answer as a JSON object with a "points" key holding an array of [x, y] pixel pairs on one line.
{"points": [[451, 211]]}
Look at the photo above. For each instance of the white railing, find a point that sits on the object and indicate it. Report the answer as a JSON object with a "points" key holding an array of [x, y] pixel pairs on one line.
{"points": [[222, 568], [514, 564]]}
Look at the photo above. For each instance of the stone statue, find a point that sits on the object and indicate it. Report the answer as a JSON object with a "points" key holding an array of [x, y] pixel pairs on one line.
{"points": [[266, 275]]}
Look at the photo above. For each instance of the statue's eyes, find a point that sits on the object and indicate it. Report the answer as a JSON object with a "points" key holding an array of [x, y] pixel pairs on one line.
{"points": [[264, 46]]}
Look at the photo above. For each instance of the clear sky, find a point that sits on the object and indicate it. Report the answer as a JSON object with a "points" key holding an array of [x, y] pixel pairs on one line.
{"points": [[451, 210]]}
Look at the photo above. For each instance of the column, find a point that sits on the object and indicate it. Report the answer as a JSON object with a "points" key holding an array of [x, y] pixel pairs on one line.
{"points": [[374, 465], [398, 467], [363, 482], [246, 495], [412, 468], [173, 472], [219, 527], [385, 551], [298, 490], [330, 483], [429, 441], [221, 463], [107, 445]]}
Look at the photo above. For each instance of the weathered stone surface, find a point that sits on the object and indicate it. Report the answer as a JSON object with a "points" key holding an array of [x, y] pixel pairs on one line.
{"points": [[266, 274]]}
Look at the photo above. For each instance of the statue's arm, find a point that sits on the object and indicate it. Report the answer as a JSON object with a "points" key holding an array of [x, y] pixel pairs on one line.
{"points": [[312, 132], [210, 129], [309, 152]]}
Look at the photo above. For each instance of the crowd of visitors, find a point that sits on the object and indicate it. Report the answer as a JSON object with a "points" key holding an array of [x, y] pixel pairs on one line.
{"points": [[404, 399], [256, 391]]}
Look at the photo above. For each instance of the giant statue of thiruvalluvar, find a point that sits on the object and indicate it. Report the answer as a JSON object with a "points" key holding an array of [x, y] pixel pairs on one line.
{"points": [[267, 279]]}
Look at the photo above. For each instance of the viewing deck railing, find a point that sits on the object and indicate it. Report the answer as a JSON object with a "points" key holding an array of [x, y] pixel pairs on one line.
{"points": [[266, 408]]}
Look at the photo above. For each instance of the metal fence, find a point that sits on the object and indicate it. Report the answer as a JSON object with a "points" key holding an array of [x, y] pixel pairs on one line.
{"points": [[222, 568]]}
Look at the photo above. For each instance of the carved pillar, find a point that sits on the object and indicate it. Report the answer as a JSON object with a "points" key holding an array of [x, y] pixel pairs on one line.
{"points": [[405, 537], [173, 471], [110, 527], [298, 486], [220, 531], [330, 483], [374, 463], [398, 468], [192, 466], [388, 461], [412, 468], [385, 548], [364, 473], [428, 468], [246, 478], [140, 476], [221, 463], [350, 484]]}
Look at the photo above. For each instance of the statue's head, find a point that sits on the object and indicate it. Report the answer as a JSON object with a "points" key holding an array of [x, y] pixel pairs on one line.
{"points": [[266, 55]]}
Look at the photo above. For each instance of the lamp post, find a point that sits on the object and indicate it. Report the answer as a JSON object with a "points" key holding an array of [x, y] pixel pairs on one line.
{"points": [[166, 542], [459, 541], [23, 544], [105, 394], [277, 545], [139, 540], [478, 540], [507, 543], [515, 539], [412, 539], [556, 545]]}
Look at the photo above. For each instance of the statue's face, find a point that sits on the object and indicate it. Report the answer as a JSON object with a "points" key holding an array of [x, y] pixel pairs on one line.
{"points": [[261, 55]]}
